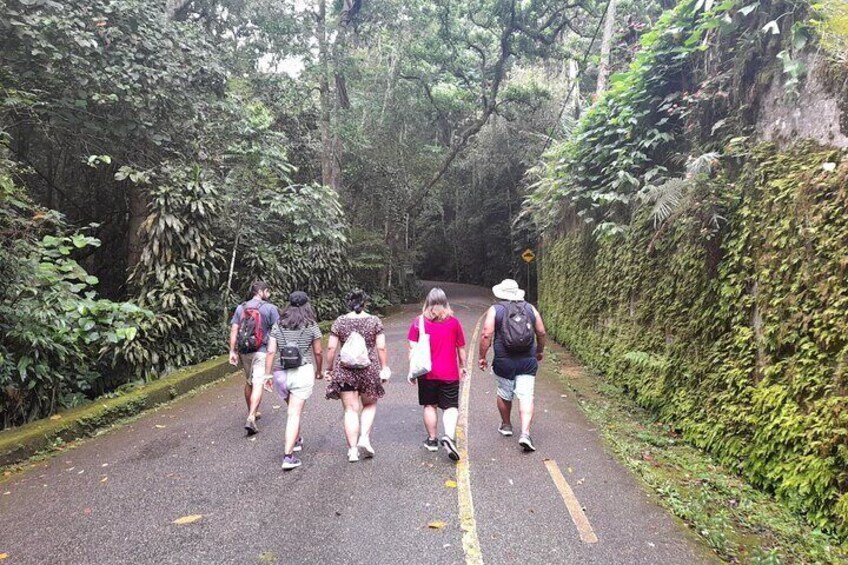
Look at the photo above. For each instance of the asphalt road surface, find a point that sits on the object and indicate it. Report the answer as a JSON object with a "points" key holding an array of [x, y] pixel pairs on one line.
{"points": [[115, 498]]}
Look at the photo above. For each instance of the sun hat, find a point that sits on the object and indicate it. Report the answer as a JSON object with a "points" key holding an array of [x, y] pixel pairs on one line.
{"points": [[298, 298], [508, 290]]}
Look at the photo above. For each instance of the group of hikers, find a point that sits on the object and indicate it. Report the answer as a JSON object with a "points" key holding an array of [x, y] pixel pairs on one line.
{"points": [[283, 351]]}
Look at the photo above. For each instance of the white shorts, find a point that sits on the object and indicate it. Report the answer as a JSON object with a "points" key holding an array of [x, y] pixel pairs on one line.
{"points": [[254, 367], [299, 382], [523, 387]]}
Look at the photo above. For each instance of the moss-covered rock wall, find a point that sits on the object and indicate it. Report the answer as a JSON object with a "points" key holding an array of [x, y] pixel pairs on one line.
{"points": [[741, 340]]}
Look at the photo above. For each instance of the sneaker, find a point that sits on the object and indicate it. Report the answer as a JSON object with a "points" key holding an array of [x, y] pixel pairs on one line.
{"points": [[526, 443], [250, 426], [450, 447], [366, 447], [298, 445], [290, 462], [353, 454], [431, 444], [505, 430]]}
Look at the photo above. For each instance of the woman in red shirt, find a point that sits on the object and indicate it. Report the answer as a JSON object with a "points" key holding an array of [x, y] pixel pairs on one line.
{"points": [[440, 387]]}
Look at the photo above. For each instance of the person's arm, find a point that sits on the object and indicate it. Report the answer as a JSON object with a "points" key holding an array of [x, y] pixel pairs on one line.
{"points": [[540, 335], [332, 345], [486, 337], [234, 357], [269, 356], [460, 351], [318, 353], [381, 350]]}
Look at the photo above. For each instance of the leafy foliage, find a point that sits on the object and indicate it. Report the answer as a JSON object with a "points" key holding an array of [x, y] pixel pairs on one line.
{"points": [[57, 335]]}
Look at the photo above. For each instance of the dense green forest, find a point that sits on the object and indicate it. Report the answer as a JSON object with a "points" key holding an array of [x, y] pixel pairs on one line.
{"points": [[157, 156]]}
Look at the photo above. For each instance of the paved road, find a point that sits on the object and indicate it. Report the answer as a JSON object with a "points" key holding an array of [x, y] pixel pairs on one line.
{"points": [[115, 498]]}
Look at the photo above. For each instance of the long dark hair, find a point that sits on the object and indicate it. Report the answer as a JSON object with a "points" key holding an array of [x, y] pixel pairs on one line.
{"points": [[356, 300], [297, 317]]}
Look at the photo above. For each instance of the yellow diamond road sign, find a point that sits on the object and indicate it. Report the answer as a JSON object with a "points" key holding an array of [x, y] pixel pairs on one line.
{"points": [[528, 256]]}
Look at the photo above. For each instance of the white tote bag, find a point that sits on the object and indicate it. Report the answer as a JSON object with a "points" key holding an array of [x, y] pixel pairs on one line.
{"points": [[354, 353], [419, 361]]}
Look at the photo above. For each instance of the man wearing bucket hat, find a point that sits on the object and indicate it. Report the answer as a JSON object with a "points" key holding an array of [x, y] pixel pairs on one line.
{"points": [[517, 332]]}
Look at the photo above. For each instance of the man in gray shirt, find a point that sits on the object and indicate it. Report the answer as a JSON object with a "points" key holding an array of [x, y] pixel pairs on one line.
{"points": [[258, 316]]}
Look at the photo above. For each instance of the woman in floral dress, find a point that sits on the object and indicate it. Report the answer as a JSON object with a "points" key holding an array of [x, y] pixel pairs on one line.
{"points": [[358, 389]]}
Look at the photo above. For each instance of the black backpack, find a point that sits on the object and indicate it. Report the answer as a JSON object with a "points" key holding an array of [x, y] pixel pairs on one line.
{"points": [[517, 327], [290, 355], [250, 336]]}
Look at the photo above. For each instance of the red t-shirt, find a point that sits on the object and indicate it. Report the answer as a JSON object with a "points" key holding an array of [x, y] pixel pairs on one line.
{"points": [[445, 337]]}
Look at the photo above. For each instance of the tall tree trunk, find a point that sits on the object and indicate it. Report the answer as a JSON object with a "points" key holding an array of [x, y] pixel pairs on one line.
{"points": [[330, 142], [606, 46]]}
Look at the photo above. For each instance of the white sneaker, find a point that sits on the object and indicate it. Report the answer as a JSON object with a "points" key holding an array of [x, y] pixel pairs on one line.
{"points": [[353, 454], [366, 447]]}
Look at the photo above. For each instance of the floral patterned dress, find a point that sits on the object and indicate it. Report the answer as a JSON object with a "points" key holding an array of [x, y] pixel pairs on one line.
{"points": [[365, 381]]}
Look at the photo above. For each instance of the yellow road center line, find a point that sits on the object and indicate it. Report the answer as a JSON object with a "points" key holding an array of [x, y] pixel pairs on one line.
{"points": [[467, 522], [587, 534]]}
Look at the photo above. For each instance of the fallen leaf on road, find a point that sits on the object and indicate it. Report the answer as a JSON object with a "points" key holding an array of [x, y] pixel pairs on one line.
{"points": [[580, 482], [7, 492], [570, 470], [71, 469], [160, 426], [511, 482], [276, 406], [105, 465], [81, 472], [450, 484], [190, 519], [3, 555], [56, 417], [104, 479], [436, 525]]}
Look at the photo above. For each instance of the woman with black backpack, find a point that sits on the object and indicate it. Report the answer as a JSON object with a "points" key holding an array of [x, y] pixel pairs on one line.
{"points": [[295, 342]]}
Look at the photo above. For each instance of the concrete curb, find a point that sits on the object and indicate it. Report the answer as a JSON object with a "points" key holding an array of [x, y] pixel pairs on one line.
{"points": [[20, 443]]}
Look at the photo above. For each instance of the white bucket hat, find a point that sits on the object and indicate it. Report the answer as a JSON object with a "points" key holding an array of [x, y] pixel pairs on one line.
{"points": [[508, 290]]}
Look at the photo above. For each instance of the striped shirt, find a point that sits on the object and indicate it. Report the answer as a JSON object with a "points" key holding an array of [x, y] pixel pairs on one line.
{"points": [[302, 337]]}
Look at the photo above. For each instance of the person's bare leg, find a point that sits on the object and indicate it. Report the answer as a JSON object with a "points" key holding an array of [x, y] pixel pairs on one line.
{"points": [[505, 408], [247, 390], [350, 403], [525, 411], [255, 400], [293, 422], [366, 418], [431, 420]]}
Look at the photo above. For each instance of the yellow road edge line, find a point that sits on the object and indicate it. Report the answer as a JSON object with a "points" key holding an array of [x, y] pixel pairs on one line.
{"points": [[467, 522], [587, 534]]}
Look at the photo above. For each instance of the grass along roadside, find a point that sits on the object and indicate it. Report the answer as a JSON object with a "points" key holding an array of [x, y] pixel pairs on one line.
{"points": [[738, 522]]}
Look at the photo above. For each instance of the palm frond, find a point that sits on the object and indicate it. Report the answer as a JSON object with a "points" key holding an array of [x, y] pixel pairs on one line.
{"points": [[703, 164], [666, 198]]}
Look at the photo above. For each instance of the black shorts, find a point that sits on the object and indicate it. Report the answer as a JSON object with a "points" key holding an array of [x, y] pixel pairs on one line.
{"points": [[441, 393]]}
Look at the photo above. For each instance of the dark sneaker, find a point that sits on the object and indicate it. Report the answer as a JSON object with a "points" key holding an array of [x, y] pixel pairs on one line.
{"points": [[298, 445], [431, 444], [450, 447], [250, 426], [505, 430], [526, 443], [290, 462]]}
